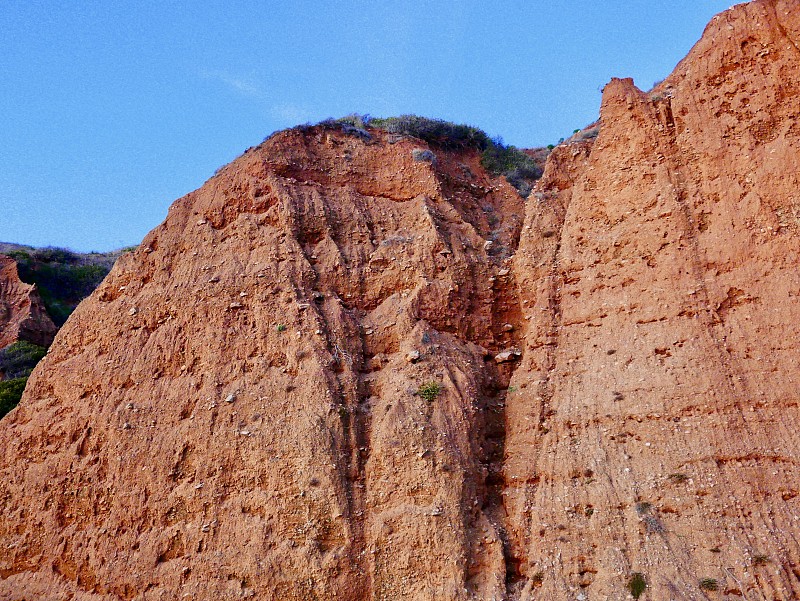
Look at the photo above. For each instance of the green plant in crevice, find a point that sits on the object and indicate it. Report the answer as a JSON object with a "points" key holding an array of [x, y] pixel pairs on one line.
{"points": [[516, 166], [429, 391], [709, 584], [637, 584]]}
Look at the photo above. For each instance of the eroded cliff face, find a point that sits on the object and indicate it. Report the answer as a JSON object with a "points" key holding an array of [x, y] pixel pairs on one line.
{"points": [[22, 315], [236, 411], [654, 429]]}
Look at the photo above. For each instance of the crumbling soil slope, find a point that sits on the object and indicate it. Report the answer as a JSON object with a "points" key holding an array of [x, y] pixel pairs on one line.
{"points": [[337, 372], [22, 315]]}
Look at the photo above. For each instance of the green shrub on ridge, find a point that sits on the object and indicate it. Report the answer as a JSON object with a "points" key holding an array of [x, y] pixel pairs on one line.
{"points": [[62, 278], [519, 169]]}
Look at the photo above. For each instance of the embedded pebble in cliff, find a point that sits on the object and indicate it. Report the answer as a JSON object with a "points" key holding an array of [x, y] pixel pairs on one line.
{"points": [[412, 356], [508, 355]]}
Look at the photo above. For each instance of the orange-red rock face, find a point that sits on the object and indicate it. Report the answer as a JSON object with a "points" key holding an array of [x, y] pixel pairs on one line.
{"points": [[22, 315], [655, 428], [236, 411]]}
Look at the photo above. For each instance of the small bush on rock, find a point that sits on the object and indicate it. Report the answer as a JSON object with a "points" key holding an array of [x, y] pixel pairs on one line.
{"points": [[637, 584], [423, 155], [709, 584], [352, 125], [429, 391]]}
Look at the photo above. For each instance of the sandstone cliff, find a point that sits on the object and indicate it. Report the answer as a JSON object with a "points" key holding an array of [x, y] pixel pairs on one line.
{"points": [[22, 315], [337, 372]]}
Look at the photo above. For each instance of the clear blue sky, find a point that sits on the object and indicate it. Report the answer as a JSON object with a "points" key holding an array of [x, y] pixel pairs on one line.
{"points": [[111, 110]]}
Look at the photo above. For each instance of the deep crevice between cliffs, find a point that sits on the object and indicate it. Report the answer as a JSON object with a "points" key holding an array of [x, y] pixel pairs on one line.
{"points": [[495, 217], [506, 328]]}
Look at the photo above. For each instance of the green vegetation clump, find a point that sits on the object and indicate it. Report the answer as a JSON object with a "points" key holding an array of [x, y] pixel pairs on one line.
{"points": [[352, 125], [519, 169], [19, 359], [16, 364], [436, 132], [637, 584], [10, 394], [709, 584], [421, 155], [62, 277], [429, 391]]}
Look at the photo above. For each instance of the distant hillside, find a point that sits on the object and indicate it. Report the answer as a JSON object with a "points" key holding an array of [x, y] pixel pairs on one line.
{"points": [[63, 277]]}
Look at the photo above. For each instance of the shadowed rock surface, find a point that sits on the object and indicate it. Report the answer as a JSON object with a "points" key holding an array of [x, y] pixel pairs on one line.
{"points": [[336, 372]]}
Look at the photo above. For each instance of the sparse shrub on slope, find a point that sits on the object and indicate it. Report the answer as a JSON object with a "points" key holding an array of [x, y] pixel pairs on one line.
{"points": [[352, 125], [430, 390], [423, 155], [637, 584], [519, 169]]}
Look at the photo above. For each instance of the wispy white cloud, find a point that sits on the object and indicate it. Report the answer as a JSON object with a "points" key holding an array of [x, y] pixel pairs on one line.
{"points": [[240, 85], [286, 113], [290, 113]]}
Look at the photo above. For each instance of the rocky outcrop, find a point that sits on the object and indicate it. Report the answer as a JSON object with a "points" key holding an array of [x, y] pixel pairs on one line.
{"points": [[283, 392], [335, 372], [654, 428], [22, 315]]}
